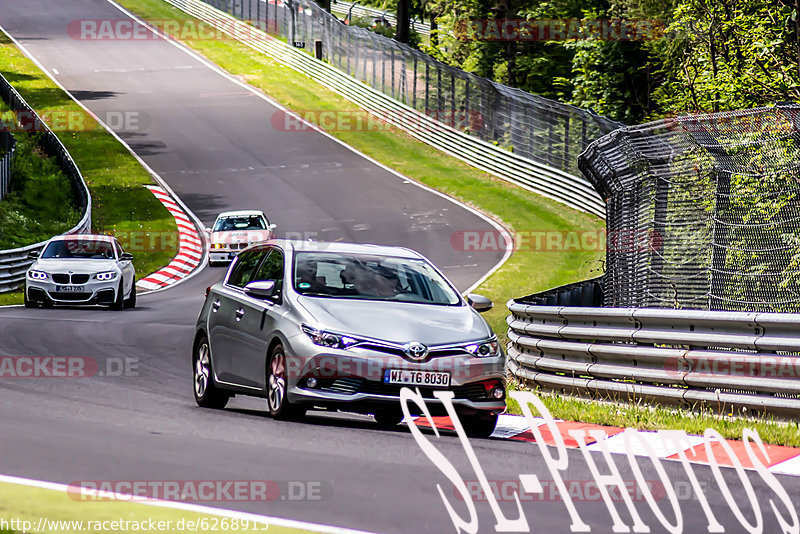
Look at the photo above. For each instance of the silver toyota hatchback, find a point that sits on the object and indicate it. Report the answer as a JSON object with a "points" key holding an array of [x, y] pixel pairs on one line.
{"points": [[344, 327]]}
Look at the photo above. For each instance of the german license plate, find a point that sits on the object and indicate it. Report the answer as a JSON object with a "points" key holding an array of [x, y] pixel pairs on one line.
{"points": [[69, 289], [416, 378]]}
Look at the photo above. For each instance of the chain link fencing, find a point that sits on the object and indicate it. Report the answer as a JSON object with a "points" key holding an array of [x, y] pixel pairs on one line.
{"points": [[703, 211], [530, 126]]}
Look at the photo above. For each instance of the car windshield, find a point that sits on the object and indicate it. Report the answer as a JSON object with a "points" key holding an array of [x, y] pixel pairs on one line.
{"points": [[79, 249], [247, 222], [370, 277]]}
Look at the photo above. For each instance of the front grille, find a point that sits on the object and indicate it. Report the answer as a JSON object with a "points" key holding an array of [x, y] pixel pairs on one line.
{"points": [[61, 278], [432, 353], [80, 278], [70, 295], [351, 386]]}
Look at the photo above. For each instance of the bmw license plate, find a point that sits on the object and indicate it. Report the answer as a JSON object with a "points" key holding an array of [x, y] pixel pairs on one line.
{"points": [[69, 289], [416, 378]]}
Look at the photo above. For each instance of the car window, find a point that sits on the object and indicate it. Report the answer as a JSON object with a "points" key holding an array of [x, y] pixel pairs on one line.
{"points": [[244, 270], [358, 276], [79, 248], [118, 249], [272, 269], [250, 222]]}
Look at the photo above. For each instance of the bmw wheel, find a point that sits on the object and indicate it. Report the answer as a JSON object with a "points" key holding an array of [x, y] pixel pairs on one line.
{"points": [[28, 303], [119, 301], [130, 302], [206, 393], [277, 384]]}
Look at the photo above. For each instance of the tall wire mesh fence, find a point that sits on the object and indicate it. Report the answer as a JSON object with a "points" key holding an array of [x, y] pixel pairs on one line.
{"points": [[703, 211], [546, 131]]}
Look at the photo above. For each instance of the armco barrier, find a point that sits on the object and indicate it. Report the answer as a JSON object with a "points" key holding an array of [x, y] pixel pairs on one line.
{"points": [[726, 361], [14, 263], [7, 147], [542, 179]]}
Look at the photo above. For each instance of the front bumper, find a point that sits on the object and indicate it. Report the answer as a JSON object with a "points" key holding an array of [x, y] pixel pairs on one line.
{"points": [[222, 255], [92, 292], [355, 379]]}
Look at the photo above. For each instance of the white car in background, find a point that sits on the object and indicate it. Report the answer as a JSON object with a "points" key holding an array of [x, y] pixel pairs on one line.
{"points": [[234, 231], [81, 269]]}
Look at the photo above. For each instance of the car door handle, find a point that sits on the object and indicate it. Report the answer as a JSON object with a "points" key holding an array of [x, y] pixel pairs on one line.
{"points": [[215, 306], [239, 314]]}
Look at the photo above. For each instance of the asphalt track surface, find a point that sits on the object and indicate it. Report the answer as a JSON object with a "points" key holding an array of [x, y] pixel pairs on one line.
{"points": [[208, 139]]}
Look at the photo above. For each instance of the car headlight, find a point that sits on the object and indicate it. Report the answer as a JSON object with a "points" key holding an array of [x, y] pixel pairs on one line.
{"points": [[217, 246], [37, 275], [329, 339], [106, 276], [484, 349]]}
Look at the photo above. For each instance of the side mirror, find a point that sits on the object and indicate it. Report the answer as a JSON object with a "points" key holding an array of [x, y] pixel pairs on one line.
{"points": [[479, 303], [272, 227], [33, 255], [262, 289], [208, 230], [126, 256]]}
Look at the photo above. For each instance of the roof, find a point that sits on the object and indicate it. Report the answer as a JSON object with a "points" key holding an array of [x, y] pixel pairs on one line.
{"points": [[241, 213], [84, 237], [346, 248]]}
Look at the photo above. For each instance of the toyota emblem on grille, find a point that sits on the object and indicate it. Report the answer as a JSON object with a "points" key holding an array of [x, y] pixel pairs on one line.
{"points": [[415, 350]]}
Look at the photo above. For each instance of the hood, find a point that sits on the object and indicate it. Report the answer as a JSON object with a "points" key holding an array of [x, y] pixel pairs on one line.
{"points": [[398, 322], [240, 236], [78, 266]]}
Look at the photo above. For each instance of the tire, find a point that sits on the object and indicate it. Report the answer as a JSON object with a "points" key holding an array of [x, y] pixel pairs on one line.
{"points": [[130, 302], [479, 426], [206, 392], [277, 400], [119, 301], [388, 417], [28, 303]]}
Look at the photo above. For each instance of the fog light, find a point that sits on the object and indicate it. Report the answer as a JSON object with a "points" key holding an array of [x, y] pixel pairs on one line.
{"points": [[498, 393], [311, 382]]}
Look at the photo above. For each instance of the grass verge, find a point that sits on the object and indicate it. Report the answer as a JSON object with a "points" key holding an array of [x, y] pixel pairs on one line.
{"points": [[27, 504], [40, 188], [121, 205], [528, 271]]}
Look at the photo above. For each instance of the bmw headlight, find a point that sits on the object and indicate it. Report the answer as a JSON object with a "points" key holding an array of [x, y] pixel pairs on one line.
{"points": [[37, 275], [484, 349], [329, 339], [106, 276]]}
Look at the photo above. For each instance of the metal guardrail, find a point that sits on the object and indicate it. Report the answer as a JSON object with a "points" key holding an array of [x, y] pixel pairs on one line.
{"points": [[14, 263], [7, 147], [726, 361], [547, 181], [344, 9]]}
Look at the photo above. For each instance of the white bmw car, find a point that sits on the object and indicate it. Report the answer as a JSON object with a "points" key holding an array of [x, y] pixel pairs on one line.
{"points": [[81, 269], [234, 231]]}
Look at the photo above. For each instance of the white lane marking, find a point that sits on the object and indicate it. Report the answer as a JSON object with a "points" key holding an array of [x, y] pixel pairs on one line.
{"points": [[616, 444], [504, 231], [195, 508], [160, 181], [787, 467], [55, 71]]}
